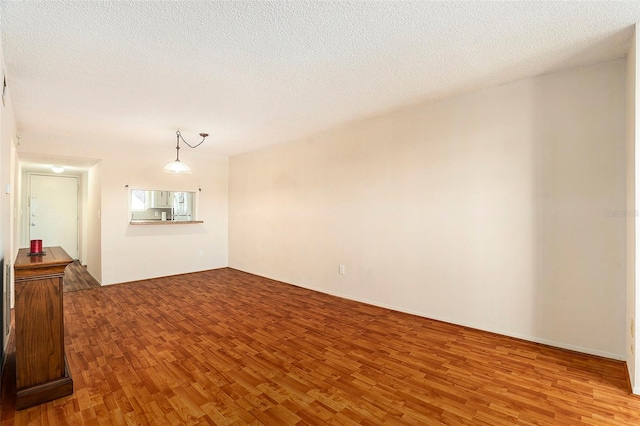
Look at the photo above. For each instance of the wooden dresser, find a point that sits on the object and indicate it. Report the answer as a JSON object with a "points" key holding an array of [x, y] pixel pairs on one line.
{"points": [[41, 369]]}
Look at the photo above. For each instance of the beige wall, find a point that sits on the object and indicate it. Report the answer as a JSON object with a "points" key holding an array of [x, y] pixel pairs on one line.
{"points": [[127, 252], [498, 209]]}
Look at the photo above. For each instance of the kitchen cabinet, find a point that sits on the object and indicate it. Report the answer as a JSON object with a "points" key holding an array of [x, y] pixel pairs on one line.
{"points": [[161, 199]]}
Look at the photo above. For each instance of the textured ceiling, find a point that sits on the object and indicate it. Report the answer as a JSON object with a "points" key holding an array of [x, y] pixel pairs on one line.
{"points": [[254, 73]]}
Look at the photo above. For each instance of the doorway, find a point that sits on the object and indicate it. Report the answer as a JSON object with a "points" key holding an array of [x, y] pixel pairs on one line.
{"points": [[53, 211]]}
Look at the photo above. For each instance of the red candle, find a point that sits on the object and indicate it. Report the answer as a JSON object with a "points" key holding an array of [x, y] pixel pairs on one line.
{"points": [[36, 246]]}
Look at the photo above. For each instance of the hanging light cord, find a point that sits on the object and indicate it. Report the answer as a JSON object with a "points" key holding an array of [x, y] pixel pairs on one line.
{"points": [[204, 136]]}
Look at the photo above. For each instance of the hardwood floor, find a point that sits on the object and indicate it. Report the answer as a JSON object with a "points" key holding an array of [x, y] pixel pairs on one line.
{"points": [[77, 278], [225, 347]]}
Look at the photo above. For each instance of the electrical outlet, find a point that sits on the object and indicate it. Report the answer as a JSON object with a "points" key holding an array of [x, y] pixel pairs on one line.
{"points": [[341, 269], [200, 252]]}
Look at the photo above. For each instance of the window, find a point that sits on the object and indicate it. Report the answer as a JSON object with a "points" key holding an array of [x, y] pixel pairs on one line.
{"points": [[138, 199]]}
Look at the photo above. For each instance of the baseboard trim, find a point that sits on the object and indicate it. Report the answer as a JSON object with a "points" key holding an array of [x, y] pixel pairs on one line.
{"points": [[546, 342], [45, 392], [533, 339]]}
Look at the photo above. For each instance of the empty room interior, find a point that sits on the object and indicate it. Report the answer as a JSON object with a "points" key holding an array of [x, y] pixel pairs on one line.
{"points": [[320, 212]]}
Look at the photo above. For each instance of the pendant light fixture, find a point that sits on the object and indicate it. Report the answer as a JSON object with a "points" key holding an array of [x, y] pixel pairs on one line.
{"points": [[177, 167]]}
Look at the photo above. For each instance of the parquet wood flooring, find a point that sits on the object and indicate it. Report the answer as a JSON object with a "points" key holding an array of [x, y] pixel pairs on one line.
{"points": [[229, 348], [76, 277]]}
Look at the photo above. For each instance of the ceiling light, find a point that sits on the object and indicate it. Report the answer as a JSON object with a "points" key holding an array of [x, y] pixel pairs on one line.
{"points": [[177, 167], [57, 169]]}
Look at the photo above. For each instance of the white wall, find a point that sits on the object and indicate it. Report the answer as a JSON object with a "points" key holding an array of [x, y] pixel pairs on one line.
{"points": [[498, 209], [131, 252], [93, 229], [83, 217], [7, 177], [633, 185]]}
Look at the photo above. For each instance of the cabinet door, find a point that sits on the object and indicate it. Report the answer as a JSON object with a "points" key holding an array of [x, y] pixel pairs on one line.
{"points": [[160, 199], [39, 331]]}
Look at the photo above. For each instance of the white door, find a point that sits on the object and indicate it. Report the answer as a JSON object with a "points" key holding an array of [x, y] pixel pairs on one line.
{"points": [[53, 212]]}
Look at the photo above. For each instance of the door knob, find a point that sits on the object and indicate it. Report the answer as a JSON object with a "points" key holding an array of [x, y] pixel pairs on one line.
{"points": [[33, 224]]}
